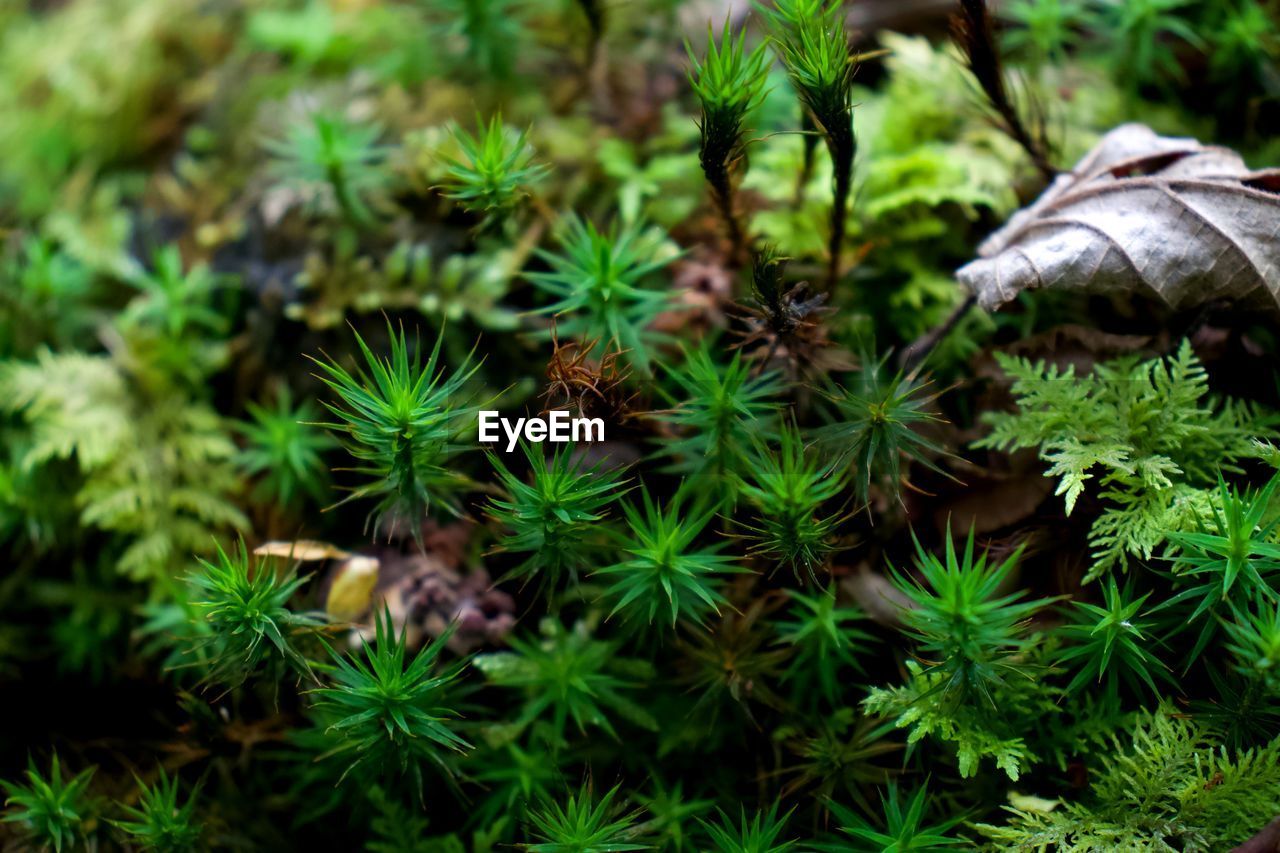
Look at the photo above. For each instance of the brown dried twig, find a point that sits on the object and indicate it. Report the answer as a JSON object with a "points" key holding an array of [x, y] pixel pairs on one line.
{"points": [[974, 33]]}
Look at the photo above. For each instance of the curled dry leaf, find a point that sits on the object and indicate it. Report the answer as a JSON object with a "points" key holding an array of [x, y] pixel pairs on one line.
{"points": [[303, 550], [1186, 222]]}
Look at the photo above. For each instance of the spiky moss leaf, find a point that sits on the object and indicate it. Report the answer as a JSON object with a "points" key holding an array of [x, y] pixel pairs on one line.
{"points": [[1236, 543], [981, 684], [839, 760], [50, 811], [662, 567], [558, 516], [568, 676], [284, 449], [494, 170], [758, 834], [1109, 641], [491, 32], [341, 156], [813, 44], [515, 779], [722, 410], [597, 281], [159, 823], [389, 709], [46, 299], [399, 416], [826, 642], [1227, 561], [173, 330], [246, 604], [965, 622], [671, 812], [733, 664], [904, 826], [788, 489], [729, 84], [583, 826], [1253, 639], [875, 421]]}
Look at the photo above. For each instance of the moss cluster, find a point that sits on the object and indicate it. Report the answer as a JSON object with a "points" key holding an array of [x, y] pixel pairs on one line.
{"points": [[854, 567]]}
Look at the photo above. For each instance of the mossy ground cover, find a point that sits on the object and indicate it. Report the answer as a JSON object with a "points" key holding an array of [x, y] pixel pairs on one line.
{"points": [[857, 563]]}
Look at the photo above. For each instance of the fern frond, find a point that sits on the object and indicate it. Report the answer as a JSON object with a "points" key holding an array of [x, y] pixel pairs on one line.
{"points": [[1148, 433], [1170, 787], [976, 733], [159, 472]]}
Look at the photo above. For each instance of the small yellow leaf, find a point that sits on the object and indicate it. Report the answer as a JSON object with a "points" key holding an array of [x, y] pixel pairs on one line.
{"points": [[352, 589]]}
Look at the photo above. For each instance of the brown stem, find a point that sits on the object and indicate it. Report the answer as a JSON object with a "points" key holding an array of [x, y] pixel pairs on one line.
{"points": [[810, 131], [733, 226], [974, 33], [841, 141], [915, 354]]}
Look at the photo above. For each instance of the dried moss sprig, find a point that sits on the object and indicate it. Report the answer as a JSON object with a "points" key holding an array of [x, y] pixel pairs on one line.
{"points": [[786, 322], [814, 46], [973, 32], [729, 84], [594, 387]]}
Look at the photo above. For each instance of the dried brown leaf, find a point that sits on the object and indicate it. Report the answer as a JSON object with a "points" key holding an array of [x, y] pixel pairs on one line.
{"points": [[1186, 222], [304, 550]]}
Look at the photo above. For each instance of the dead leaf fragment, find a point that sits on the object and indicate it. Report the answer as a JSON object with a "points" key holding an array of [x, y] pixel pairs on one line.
{"points": [[352, 589], [1186, 222], [304, 550]]}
